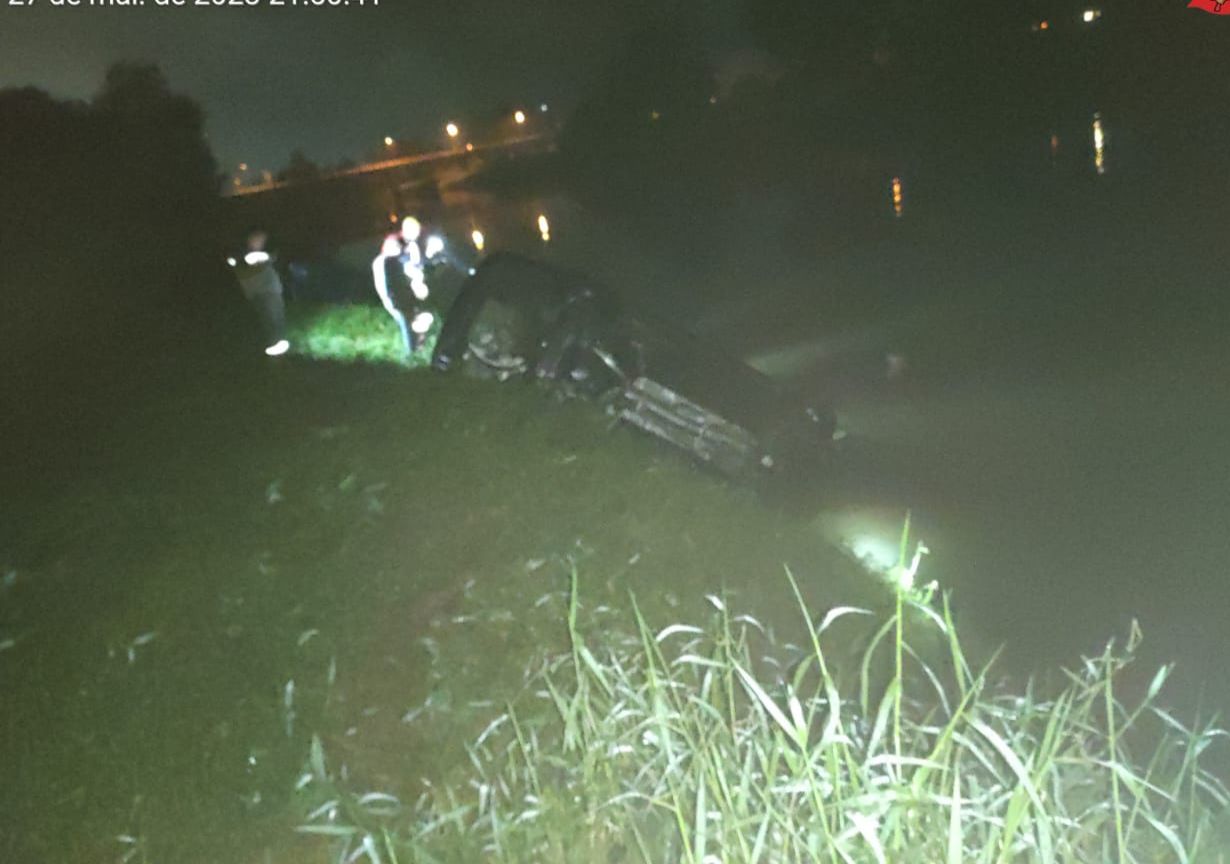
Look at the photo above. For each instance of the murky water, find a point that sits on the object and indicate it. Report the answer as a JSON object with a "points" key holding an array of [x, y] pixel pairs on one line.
{"points": [[1034, 366]]}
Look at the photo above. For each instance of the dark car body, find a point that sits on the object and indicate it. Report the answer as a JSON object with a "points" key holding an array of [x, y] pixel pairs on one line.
{"points": [[515, 316]]}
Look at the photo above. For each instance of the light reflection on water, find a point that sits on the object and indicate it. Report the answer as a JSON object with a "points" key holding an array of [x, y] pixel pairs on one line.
{"points": [[1099, 144]]}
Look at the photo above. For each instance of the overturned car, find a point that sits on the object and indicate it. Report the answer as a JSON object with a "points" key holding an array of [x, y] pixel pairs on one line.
{"points": [[518, 317]]}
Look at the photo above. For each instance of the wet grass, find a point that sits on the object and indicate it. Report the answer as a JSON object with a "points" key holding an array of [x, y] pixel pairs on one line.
{"points": [[723, 742], [296, 553]]}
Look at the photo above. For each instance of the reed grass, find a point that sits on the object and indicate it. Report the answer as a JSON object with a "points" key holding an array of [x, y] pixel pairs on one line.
{"points": [[719, 743]]}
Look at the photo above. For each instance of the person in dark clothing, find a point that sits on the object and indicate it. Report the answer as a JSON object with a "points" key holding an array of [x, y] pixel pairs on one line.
{"points": [[261, 285], [397, 273]]}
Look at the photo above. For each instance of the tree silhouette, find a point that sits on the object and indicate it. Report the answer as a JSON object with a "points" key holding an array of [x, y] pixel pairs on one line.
{"points": [[299, 169], [105, 212]]}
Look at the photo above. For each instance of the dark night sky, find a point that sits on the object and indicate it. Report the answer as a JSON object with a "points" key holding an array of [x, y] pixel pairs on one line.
{"points": [[332, 81]]}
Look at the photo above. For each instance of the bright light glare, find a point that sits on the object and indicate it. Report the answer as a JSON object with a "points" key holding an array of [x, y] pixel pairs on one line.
{"points": [[422, 322], [278, 348], [1091, 15], [391, 247], [519, 117], [898, 197], [388, 142], [1099, 145], [904, 573], [254, 258], [880, 555], [876, 553], [469, 147], [231, 261], [433, 247], [479, 240], [543, 107], [452, 130], [544, 227]]}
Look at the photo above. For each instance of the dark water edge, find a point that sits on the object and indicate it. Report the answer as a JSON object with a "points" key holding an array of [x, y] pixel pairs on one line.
{"points": [[1057, 434]]}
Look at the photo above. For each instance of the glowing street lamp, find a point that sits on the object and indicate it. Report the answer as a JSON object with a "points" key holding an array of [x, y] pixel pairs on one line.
{"points": [[519, 116], [1091, 15], [452, 130], [479, 240], [898, 198], [388, 141], [469, 147], [544, 227]]}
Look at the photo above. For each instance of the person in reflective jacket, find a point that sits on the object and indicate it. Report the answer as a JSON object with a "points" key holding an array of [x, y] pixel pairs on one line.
{"points": [[261, 285], [397, 273]]}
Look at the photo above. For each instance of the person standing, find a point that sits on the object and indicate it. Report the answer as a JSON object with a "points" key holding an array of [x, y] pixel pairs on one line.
{"points": [[397, 272], [261, 285]]}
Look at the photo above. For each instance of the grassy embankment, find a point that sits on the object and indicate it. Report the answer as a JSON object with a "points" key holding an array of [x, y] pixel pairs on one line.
{"points": [[301, 598], [170, 626]]}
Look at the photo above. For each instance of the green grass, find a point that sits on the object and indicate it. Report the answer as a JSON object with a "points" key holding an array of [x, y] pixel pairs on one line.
{"points": [[352, 333], [717, 743], [268, 529]]}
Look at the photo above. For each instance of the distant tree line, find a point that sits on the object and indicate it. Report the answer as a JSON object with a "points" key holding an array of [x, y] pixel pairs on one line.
{"points": [[108, 208], [113, 284]]}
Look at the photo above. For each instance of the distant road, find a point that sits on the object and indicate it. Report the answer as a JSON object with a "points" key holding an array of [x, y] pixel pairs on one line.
{"points": [[388, 164]]}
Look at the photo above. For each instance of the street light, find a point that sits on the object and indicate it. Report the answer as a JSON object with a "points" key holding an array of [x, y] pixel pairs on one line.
{"points": [[519, 116], [544, 227], [452, 130], [388, 142]]}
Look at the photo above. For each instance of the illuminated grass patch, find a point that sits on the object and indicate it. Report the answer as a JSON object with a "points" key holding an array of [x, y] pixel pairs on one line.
{"points": [[719, 743], [353, 333]]}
